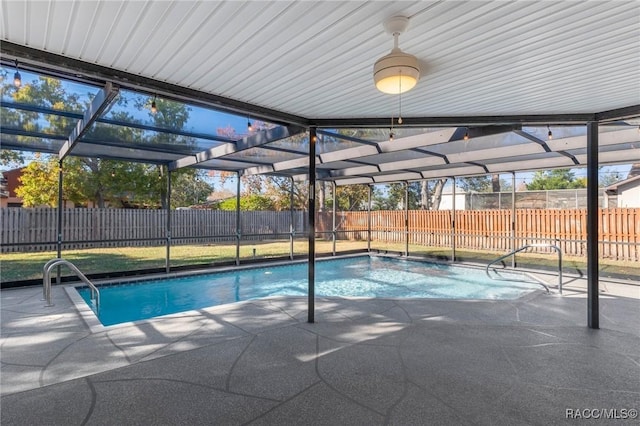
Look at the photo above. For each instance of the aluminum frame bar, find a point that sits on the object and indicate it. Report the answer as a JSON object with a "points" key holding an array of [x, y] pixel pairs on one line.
{"points": [[252, 141], [593, 303], [312, 228], [98, 105]]}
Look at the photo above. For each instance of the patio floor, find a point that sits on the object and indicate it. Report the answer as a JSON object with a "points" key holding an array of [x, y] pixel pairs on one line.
{"points": [[364, 361]]}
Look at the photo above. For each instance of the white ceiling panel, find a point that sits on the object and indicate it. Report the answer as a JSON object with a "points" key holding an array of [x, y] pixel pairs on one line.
{"points": [[315, 58]]}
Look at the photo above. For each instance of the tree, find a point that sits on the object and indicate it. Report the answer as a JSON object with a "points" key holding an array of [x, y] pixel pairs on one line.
{"points": [[278, 189], [556, 179], [431, 193], [437, 194], [94, 179], [189, 189], [252, 202], [10, 158], [394, 197], [505, 185], [495, 182], [476, 184], [39, 183], [350, 198]]}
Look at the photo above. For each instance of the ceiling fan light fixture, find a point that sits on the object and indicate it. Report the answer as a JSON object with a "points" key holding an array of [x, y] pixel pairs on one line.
{"points": [[397, 72]]}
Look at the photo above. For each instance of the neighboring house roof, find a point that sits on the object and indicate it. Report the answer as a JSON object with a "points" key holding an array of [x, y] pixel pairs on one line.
{"points": [[220, 196], [630, 182], [11, 182]]}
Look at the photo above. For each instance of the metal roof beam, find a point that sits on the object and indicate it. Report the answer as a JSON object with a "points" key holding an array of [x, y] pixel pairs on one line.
{"points": [[40, 109], [346, 137], [99, 104], [77, 70], [545, 146], [31, 134], [473, 163], [411, 142], [252, 141], [619, 114], [463, 121], [533, 138]]}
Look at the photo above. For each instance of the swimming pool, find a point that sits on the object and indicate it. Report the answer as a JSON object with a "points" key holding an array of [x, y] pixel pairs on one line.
{"points": [[361, 276]]}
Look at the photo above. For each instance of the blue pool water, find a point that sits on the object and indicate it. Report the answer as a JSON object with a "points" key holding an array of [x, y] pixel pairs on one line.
{"points": [[350, 277]]}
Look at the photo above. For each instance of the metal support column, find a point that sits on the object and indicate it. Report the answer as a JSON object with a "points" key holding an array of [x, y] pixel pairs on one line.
{"points": [[406, 218], [453, 221], [59, 240], [292, 226], [312, 225], [238, 230], [168, 257], [593, 308], [333, 216], [513, 218], [369, 218]]}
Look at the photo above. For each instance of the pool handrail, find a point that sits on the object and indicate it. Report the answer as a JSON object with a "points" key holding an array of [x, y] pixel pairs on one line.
{"points": [[46, 281], [525, 247]]}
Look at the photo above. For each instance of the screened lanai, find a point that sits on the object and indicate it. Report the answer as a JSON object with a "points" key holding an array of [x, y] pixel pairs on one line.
{"points": [[504, 87]]}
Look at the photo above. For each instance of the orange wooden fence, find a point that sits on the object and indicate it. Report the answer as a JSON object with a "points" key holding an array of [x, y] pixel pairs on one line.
{"points": [[492, 229]]}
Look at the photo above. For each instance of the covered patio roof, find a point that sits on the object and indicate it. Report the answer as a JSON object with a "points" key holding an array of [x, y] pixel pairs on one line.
{"points": [[504, 73]]}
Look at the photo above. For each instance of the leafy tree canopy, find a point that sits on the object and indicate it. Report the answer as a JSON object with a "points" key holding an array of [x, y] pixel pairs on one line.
{"points": [[475, 184], [556, 179], [352, 197], [97, 180], [39, 184], [253, 202], [188, 189], [393, 197]]}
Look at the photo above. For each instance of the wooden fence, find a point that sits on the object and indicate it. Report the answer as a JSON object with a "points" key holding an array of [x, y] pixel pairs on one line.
{"points": [[619, 234], [35, 229]]}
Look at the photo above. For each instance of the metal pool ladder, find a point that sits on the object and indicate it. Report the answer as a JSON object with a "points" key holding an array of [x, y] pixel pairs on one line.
{"points": [[46, 281], [525, 247]]}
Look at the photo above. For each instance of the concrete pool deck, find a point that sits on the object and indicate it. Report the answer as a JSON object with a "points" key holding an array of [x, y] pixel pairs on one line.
{"points": [[364, 361]]}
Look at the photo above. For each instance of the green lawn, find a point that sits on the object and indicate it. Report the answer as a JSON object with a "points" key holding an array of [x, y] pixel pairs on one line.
{"points": [[25, 266]]}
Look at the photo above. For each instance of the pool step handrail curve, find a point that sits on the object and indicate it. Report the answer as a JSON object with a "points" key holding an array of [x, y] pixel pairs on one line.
{"points": [[525, 247], [46, 281]]}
